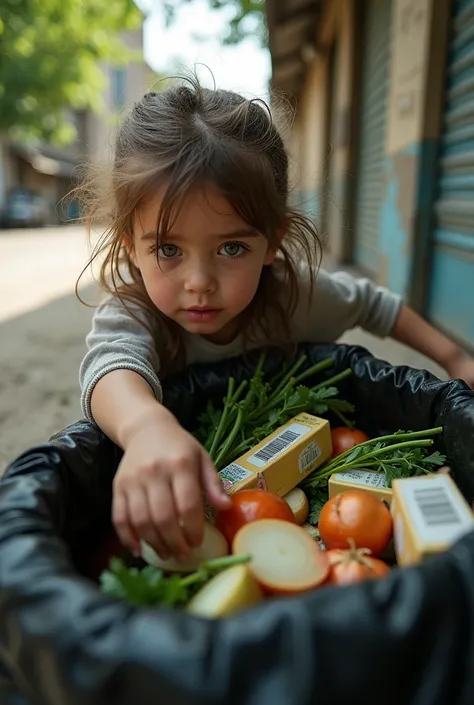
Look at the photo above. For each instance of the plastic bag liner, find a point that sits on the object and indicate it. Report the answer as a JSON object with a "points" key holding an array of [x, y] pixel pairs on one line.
{"points": [[407, 639]]}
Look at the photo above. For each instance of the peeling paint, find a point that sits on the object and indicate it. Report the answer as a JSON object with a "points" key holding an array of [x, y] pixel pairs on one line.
{"points": [[406, 166], [397, 218]]}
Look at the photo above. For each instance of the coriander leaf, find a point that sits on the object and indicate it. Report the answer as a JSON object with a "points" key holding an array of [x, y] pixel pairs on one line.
{"points": [[273, 417], [324, 393], [318, 408], [436, 458], [356, 453], [340, 405], [140, 587], [317, 498]]}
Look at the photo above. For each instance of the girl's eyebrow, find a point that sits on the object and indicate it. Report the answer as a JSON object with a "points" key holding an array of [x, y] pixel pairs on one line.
{"points": [[239, 232]]}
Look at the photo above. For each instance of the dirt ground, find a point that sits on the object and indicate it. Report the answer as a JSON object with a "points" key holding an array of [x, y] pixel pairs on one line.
{"points": [[42, 331]]}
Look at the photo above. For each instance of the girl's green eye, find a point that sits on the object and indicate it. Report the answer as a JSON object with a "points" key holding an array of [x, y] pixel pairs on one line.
{"points": [[167, 251]]}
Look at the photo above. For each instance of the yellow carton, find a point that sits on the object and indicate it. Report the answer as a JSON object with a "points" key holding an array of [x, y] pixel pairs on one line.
{"points": [[429, 515], [373, 482], [283, 459]]}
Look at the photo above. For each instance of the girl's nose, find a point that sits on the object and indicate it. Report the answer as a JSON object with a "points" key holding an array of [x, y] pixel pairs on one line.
{"points": [[200, 279]]}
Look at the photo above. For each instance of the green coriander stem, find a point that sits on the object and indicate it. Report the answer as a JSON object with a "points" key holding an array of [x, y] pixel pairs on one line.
{"points": [[223, 419], [258, 371], [410, 435], [363, 461], [332, 380], [238, 451], [230, 439], [287, 378], [215, 565], [225, 562], [340, 415], [239, 391], [319, 367]]}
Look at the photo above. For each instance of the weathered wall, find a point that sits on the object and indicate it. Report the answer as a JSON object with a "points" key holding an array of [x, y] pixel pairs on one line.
{"points": [[324, 126], [311, 122], [326, 174], [411, 31]]}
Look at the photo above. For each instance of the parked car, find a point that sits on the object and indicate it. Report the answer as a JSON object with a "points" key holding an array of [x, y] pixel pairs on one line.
{"points": [[25, 208]]}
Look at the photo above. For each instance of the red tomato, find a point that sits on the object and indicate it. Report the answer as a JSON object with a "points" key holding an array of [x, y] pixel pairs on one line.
{"points": [[344, 438], [358, 516], [353, 566], [250, 505]]}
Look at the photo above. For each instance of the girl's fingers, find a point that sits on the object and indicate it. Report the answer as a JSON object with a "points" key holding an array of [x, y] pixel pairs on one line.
{"points": [[122, 523], [445, 470], [213, 487], [142, 520], [165, 519], [189, 506]]}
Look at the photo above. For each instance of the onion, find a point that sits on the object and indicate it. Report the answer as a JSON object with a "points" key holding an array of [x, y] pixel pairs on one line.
{"points": [[298, 503], [286, 560], [213, 546]]}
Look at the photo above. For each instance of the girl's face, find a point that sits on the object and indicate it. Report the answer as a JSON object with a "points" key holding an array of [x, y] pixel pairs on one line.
{"points": [[207, 272]]}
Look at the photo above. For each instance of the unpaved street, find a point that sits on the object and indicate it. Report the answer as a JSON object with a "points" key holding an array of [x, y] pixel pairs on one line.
{"points": [[42, 331]]}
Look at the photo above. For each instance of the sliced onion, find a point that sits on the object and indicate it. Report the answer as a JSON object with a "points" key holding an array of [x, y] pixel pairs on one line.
{"points": [[214, 545]]}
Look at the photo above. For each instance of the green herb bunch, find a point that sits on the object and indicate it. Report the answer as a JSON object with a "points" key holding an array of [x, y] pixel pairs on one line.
{"points": [[258, 407]]}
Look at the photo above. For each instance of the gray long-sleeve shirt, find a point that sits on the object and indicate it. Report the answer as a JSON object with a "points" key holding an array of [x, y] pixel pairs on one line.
{"points": [[339, 302]]}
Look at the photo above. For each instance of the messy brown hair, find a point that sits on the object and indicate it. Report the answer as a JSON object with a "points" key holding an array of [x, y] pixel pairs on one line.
{"points": [[176, 139]]}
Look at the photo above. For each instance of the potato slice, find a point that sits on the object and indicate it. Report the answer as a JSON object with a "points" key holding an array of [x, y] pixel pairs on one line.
{"points": [[231, 591]]}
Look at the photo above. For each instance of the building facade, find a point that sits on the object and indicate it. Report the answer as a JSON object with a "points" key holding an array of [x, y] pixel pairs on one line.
{"points": [[383, 140]]}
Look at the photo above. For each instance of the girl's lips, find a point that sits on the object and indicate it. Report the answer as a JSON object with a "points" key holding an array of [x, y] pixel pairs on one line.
{"points": [[202, 315]]}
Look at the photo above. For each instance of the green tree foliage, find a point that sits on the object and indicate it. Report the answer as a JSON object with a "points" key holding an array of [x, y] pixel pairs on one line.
{"points": [[50, 51], [248, 17]]}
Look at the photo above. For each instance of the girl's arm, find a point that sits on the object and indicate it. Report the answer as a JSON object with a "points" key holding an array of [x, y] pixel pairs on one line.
{"points": [[118, 342], [164, 472], [412, 330], [122, 403], [340, 302]]}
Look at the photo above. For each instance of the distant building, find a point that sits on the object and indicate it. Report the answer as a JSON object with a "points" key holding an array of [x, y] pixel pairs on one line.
{"points": [[44, 172], [383, 142]]}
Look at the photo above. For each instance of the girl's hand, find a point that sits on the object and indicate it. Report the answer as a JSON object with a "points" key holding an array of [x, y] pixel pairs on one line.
{"points": [[159, 487], [462, 367]]}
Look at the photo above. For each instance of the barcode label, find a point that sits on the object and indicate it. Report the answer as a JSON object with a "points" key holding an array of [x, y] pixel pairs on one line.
{"points": [[279, 444], [362, 477], [233, 473], [438, 512], [436, 507], [308, 456]]}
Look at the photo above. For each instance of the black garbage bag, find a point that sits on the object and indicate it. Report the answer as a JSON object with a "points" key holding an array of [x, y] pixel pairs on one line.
{"points": [[407, 639]]}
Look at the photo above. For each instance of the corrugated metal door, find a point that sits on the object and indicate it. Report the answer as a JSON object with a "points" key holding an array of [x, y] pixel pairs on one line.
{"points": [[376, 33], [451, 301]]}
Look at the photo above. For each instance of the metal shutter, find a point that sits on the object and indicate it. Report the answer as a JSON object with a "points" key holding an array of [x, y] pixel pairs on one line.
{"points": [[451, 300], [371, 133]]}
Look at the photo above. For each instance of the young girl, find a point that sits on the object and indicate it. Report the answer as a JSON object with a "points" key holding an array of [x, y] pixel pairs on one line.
{"points": [[204, 258]]}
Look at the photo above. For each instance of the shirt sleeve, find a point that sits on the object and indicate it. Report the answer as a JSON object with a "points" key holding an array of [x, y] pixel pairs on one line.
{"points": [[340, 302], [117, 341]]}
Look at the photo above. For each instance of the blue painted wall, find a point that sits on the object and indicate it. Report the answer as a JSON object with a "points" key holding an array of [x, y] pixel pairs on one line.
{"points": [[396, 241], [307, 202]]}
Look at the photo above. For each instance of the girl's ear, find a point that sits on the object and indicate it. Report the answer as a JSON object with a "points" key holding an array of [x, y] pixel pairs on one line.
{"points": [[272, 252], [130, 247]]}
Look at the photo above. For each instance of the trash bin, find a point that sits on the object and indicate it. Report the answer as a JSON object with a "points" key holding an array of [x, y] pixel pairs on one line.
{"points": [[407, 639]]}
